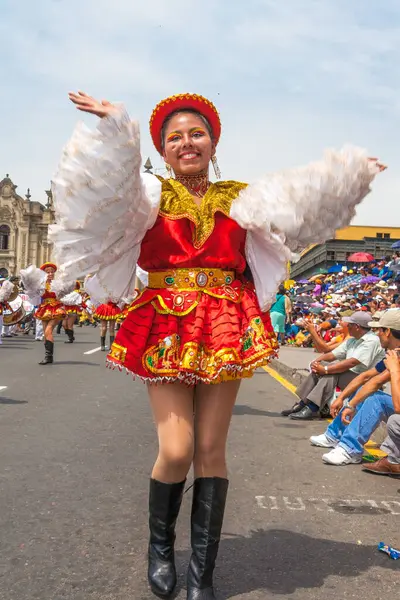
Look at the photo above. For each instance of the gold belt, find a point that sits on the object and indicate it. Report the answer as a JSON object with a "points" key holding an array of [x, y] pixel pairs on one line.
{"points": [[50, 301], [190, 279]]}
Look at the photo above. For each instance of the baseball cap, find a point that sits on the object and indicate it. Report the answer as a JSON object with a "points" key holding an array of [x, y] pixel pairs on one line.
{"points": [[360, 318], [390, 319]]}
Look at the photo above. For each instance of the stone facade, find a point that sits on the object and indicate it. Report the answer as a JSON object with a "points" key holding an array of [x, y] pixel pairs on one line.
{"points": [[23, 229]]}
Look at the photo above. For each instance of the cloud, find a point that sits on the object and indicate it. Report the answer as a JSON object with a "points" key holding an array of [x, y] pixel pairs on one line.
{"points": [[289, 78]]}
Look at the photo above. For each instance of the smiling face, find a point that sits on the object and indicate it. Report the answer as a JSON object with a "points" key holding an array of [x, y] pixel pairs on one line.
{"points": [[50, 272], [188, 146]]}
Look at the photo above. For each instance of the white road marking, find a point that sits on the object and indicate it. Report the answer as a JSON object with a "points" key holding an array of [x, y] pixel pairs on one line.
{"points": [[93, 351], [3, 387], [328, 504]]}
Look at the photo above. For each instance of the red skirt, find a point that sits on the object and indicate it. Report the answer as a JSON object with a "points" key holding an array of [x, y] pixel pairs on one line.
{"points": [[73, 309], [108, 312], [50, 311], [207, 336]]}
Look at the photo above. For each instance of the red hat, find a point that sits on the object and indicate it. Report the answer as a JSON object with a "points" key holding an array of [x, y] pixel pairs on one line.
{"points": [[48, 264], [180, 102]]}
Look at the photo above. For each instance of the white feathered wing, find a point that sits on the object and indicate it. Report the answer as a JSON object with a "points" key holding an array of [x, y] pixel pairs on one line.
{"points": [[287, 211]]}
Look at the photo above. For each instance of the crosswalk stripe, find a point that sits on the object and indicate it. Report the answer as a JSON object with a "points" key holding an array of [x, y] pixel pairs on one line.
{"points": [[93, 351]]}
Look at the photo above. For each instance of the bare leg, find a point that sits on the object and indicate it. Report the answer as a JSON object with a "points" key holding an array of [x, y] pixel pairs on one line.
{"points": [[48, 329], [103, 328], [213, 412], [112, 328], [172, 405]]}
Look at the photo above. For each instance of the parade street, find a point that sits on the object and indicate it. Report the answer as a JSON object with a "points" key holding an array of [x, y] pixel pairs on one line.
{"points": [[76, 448]]}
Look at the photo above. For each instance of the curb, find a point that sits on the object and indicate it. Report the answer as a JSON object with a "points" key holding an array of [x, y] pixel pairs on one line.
{"points": [[294, 376]]}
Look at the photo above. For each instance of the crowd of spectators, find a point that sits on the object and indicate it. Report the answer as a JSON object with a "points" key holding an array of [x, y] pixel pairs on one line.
{"points": [[352, 318], [314, 309]]}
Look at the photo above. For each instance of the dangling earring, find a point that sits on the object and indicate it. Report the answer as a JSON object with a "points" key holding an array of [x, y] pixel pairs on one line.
{"points": [[216, 166], [169, 170]]}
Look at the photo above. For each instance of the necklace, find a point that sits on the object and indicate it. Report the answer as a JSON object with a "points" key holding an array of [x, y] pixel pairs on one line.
{"points": [[197, 184]]}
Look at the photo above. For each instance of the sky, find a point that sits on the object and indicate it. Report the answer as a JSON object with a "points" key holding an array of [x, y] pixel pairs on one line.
{"points": [[289, 78]]}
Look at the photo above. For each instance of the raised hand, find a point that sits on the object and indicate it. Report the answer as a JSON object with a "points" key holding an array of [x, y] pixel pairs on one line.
{"points": [[392, 361], [86, 103]]}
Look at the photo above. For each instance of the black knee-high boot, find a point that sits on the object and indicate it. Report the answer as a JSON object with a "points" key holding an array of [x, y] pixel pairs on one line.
{"points": [[48, 357], [103, 342], [165, 500], [209, 497], [70, 335]]}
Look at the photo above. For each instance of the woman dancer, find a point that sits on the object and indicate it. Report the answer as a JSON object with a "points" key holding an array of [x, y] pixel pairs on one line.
{"points": [[108, 313], [73, 308], [42, 290], [199, 321]]}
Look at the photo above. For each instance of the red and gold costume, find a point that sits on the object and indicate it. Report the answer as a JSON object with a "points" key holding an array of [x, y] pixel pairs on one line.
{"points": [[198, 319], [43, 292], [50, 307], [109, 311]]}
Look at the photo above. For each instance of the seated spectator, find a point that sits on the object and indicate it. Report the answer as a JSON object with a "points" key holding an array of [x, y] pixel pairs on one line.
{"points": [[347, 435], [341, 333], [390, 465], [373, 306], [357, 354], [383, 304]]}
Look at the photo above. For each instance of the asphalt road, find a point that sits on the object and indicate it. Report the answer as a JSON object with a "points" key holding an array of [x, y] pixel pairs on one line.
{"points": [[76, 449]]}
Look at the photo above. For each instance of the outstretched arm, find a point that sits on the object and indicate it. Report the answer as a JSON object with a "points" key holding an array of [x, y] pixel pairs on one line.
{"points": [[104, 206]]}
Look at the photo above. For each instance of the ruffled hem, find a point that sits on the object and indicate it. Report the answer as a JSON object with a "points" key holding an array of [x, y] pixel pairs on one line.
{"points": [[225, 373], [108, 312], [199, 337], [73, 310], [48, 313]]}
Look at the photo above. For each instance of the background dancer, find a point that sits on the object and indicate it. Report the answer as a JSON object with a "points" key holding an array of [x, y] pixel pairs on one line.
{"points": [[40, 282], [73, 308], [108, 314]]}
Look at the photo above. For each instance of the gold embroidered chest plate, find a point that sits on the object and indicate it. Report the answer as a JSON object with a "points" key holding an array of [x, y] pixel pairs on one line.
{"points": [[177, 203]]}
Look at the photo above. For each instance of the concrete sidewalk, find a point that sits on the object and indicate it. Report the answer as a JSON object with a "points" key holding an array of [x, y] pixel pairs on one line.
{"points": [[293, 363]]}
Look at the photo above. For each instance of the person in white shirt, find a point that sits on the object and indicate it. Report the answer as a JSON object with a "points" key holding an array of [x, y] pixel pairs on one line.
{"points": [[355, 355]]}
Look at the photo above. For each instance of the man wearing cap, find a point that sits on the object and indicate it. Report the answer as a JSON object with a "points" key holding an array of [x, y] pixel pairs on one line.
{"points": [[357, 354], [355, 420]]}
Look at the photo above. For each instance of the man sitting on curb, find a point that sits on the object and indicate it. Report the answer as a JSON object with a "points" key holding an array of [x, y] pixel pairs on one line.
{"points": [[354, 422], [390, 465], [357, 354]]}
